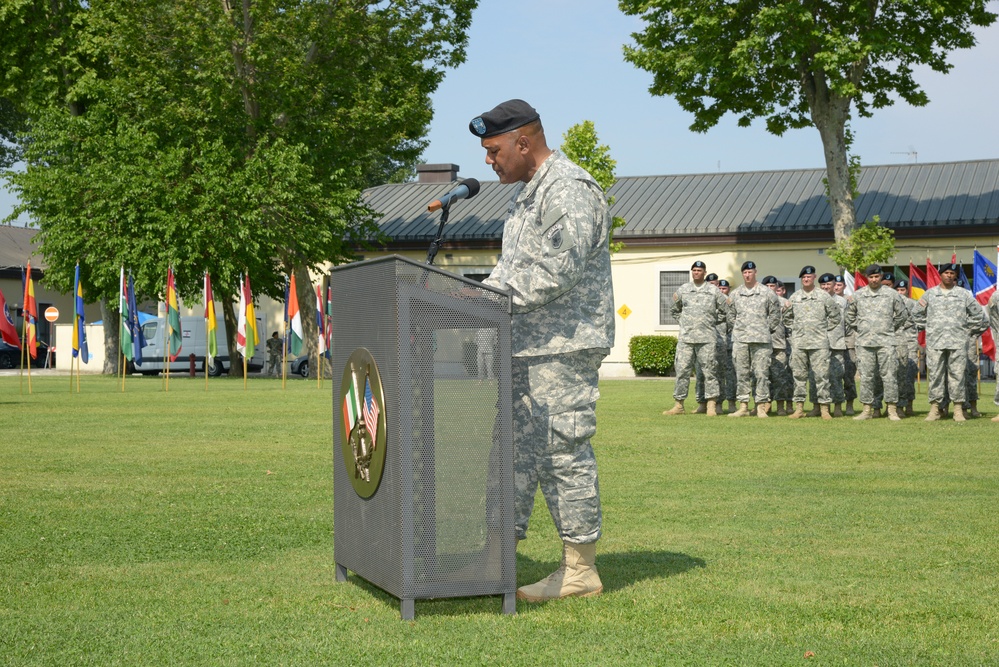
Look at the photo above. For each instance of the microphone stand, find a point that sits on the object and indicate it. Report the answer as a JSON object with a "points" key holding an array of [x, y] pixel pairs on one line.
{"points": [[438, 242]]}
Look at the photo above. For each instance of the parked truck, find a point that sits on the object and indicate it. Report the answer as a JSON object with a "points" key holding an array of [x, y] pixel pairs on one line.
{"points": [[192, 342]]}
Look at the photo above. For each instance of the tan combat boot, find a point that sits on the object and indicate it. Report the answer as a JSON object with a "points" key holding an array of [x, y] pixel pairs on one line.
{"points": [[702, 408], [959, 413], [742, 411], [824, 411], [675, 410], [814, 412], [934, 414], [893, 413], [712, 409], [762, 409], [799, 411], [868, 413], [576, 577], [849, 409], [995, 419], [838, 410]]}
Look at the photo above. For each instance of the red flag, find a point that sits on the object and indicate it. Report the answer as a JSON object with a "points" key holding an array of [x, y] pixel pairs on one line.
{"points": [[7, 329], [859, 280], [30, 315], [932, 275]]}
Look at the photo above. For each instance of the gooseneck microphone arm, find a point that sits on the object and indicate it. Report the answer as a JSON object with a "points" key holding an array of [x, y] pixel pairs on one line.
{"points": [[465, 190]]}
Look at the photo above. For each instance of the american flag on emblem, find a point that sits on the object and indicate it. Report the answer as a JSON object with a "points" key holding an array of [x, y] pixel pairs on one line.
{"points": [[370, 410]]}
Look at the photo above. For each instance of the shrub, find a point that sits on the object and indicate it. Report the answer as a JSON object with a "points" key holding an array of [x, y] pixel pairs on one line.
{"points": [[652, 354]]}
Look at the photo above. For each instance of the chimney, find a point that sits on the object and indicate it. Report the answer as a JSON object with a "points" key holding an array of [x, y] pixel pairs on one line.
{"points": [[436, 173]]}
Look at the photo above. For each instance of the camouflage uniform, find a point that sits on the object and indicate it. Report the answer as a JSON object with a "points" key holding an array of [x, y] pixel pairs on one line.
{"points": [[555, 263], [274, 348], [849, 354], [757, 314], [949, 318], [811, 316], [875, 316], [781, 380], [971, 371], [908, 349], [723, 361], [700, 310]]}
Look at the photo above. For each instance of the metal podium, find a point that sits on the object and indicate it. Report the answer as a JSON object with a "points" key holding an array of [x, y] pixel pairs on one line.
{"points": [[422, 433]]}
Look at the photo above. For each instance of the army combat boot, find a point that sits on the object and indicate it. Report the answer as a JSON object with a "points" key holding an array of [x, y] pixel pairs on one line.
{"points": [[838, 410], [974, 410], [576, 577], [799, 411], [908, 409], [814, 412], [712, 410], [675, 410], [959, 413], [934, 414], [893, 413], [824, 411], [762, 409], [702, 408], [781, 410], [868, 413], [742, 411], [995, 419], [849, 409]]}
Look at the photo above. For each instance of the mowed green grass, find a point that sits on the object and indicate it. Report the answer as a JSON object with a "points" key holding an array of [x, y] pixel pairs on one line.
{"points": [[193, 528]]}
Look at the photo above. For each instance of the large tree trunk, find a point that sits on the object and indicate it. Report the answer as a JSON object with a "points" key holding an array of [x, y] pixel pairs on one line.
{"points": [[112, 350], [307, 311], [235, 360], [831, 124]]}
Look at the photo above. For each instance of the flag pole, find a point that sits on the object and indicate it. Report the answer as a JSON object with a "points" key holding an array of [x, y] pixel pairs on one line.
{"points": [[244, 370]]}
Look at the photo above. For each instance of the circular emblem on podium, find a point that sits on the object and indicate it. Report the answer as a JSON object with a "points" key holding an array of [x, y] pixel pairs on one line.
{"points": [[362, 422]]}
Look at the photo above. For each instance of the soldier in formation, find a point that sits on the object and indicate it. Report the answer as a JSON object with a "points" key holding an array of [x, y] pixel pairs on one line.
{"points": [[757, 314], [810, 315]]}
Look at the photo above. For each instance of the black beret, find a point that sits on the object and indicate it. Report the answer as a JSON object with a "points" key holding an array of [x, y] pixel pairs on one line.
{"points": [[711, 276], [780, 283], [901, 283], [826, 278], [806, 270], [506, 117], [956, 268], [748, 265], [723, 283], [769, 280], [838, 279], [888, 276], [698, 265], [872, 269]]}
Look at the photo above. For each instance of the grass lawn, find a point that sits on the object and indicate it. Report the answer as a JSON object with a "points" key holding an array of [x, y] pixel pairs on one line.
{"points": [[194, 528]]}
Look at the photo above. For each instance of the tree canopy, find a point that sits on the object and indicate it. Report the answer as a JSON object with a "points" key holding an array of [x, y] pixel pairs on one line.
{"points": [[581, 145], [794, 64]]}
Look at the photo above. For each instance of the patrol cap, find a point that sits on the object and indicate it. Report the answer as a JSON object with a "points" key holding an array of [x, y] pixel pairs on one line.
{"points": [[956, 268], [769, 280], [806, 270], [901, 283], [872, 269], [723, 283], [748, 265], [698, 265], [888, 276], [838, 279], [826, 278], [503, 118], [711, 276]]}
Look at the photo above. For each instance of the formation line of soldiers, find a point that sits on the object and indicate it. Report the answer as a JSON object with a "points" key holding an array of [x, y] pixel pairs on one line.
{"points": [[754, 342]]}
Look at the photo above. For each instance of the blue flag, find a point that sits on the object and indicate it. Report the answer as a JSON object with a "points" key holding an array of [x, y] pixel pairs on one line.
{"points": [[138, 340], [79, 323]]}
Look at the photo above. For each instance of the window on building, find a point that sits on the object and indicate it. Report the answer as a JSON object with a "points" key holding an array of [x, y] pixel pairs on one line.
{"points": [[669, 281]]}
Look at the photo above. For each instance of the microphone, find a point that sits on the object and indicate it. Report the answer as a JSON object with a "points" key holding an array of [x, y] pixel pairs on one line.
{"points": [[467, 189]]}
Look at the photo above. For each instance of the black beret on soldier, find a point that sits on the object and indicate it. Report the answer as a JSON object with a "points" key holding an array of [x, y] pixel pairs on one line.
{"points": [[827, 278], [711, 276], [504, 118], [769, 280], [806, 270], [698, 265], [748, 265], [723, 283], [901, 283], [872, 269]]}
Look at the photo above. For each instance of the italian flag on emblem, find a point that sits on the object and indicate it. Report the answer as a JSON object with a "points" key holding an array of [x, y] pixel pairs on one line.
{"points": [[350, 407]]}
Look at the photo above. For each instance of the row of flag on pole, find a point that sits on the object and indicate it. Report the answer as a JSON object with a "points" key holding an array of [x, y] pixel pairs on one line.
{"points": [[983, 287], [8, 332]]}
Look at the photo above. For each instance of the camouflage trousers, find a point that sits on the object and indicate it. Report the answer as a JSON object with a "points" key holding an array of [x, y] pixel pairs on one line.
{"points": [[901, 379], [553, 420], [752, 363], [946, 372], [726, 375], [781, 380], [878, 363], [971, 383], [812, 364], [705, 354], [837, 381]]}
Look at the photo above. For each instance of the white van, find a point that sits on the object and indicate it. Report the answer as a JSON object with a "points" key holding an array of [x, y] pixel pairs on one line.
{"points": [[193, 330]]}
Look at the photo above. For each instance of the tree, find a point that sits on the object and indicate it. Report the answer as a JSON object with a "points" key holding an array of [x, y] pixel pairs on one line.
{"points": [[228, 137], [868, 244], [581, 145], [796, 64]]}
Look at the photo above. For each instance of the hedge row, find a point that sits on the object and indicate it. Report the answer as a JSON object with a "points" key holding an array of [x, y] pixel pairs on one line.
{"points": [[652, 354]]}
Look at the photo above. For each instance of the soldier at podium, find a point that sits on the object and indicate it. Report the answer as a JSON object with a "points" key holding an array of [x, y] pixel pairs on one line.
{"points": [[555, 263]]}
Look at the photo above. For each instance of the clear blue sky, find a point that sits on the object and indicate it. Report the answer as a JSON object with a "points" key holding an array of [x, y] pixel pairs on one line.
{"points": [[564, 57]]}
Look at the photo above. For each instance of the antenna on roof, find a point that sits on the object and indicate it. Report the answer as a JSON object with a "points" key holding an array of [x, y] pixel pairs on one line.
{"points": [[911, 153]]}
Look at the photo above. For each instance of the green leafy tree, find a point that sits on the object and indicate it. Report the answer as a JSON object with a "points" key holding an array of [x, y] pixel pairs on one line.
{"points": [[581, 145], [228, 137], [795, 64], [868, 244]]}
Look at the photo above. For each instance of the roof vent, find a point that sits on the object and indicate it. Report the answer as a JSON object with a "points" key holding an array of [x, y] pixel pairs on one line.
{"points": [[436, 173]]}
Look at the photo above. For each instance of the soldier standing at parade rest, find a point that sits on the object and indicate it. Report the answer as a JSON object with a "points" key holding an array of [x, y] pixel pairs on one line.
{"points": [[699, 308], [810, 315], [757, 314], [702, 404], [993, 311], [781, 382], [949, 315], [555, 264], [908, 360], [875, 314], [837, 347], [850, 358], [725, 353]]}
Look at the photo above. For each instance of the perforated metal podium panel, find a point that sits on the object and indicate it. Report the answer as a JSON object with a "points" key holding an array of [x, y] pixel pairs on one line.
{"points": [[440, 520]]}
